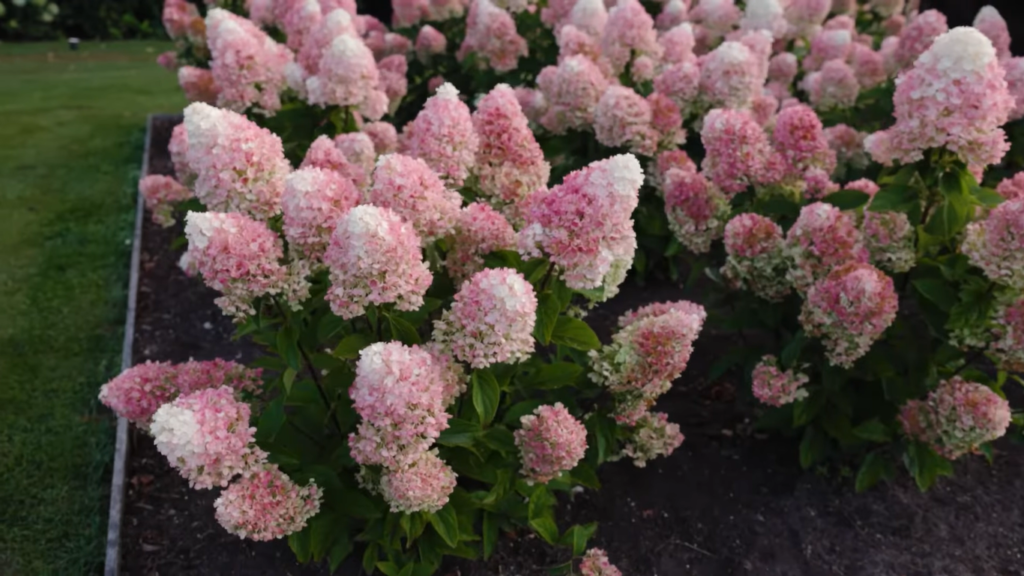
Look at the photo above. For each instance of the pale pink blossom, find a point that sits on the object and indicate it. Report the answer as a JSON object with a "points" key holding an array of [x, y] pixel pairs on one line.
{"points": [[1014, 68], [550, 441], [990, 23], [673, 13], [731, 75], [413, 191], [800, 140], [374, 258], [681, 83], [1012, 188], [479, 231], [848, 144], [628, 34], [696, 209], [266, 505], [572, 90], [429, 43], [678, 43], [777, 387], [348, 77], [313, 202], [595, 563], [198, 84], [136, 393], [822, 239], [359, 152], [756, 259], [324, 154], [491, 35], [589, 16], [622, 118], [868, 66], [957, 417], [765, 15], [806, 16], [996, 244], [783, 68], [168, 60], [717, 17], [888, 236], [443, 136], [392, 70], [336, 23], [178, 149], [383, 135], [406, 13], [248, 67], [738, 152], [160, 194], [179, 17], [422, 486], [917, 36], [652, 437]]}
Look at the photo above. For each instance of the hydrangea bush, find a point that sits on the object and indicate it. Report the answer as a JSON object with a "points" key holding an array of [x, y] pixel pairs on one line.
{"points": [[837, 178]]}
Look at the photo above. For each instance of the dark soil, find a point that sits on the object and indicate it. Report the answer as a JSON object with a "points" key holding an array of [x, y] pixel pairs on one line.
{"points": [[727, 502]]}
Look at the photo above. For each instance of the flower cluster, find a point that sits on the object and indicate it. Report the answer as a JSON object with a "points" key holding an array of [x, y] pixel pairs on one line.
{"points": [[491, 35], [348, 76], [777, 387], [623, 118], [756, 257], [571, 92], [995, 244], [1007, 345], [491, 319], [584, 224], [697, 210], [652, 437], [423, 485], [178, 149], [595, 561], [957, 417], [822, 239], [374, 258], [738, 151], [550, 441], [413, 191], [479, 230], [442, 135], [849, 309], [160, 194], [650, 350], [266, 505], [248, 67], [198, 84], [313, 202]]}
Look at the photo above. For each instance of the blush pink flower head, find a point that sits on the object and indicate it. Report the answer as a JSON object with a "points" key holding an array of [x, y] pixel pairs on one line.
{"points": [[996, 244], [374, 258], [422, 486], [168, 60], [868, 66], [1014, 68], [429, 43], [629, 33], [738, 152], [822, 239], [267, 505], [930, 103], [1012, 188], [806, 16], [359, 151], [849, 310], [678, 43], [178, 16], [491, 35], [589, 17], [198, 84], [765, 15], [348, 76], [178, 149], [443, 136], [383, 135], [139, 391], [835, 85], [160, 194], [777, 387], [800, 139], [413, 191], [731, 75], [313, 202], [239, 166], [717, 17], [681, 83], [848, 144], [247, 65], [479, 231], [595, 563], [1006, 345], [406, 13], [673, 13], [325, 155], [550, 441], [584, 224], [207, 437], [957, 417], [297, 19], [828, 45], [918, 35], [556, 13], [510, 165], [696, 210], [888, 236], [491, 319], [572, 90], [652, 437], [783, 68], [622, 118], [392, 70], [334, 24]]}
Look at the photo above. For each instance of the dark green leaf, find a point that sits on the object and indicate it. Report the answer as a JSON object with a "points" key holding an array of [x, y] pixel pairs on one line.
{"points": [[501, 439], [940, 292], [342, 548], [459, 433], [301, 544], [288, 379], [403, 331], [503, 259], [325, 528], [847, 199], [388, 568], [446, 524], [812, 447], [574, 334], [545, 528], [486, 395], [949, 218], [351, 345], [547, 316], [791, 353], [270, 421], [584, 474], [577, 537], [895, 198], [370, 558], [805, 410], [987, 197], [925, 465], [873, 430], [288, 346], [556, 375], [518, 410], [876, 466], [954, 183], [490, 535]]}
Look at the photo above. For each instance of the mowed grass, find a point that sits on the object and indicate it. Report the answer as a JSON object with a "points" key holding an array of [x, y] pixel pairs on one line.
{"points": [[71, 127]]}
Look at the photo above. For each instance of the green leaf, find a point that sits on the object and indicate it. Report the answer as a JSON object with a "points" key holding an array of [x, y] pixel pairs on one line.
{"points": [[874, 468], [301, 544], [584, 474], [542, 516], [351, 345], [518, 410], [388, 568], [954, 183], [791, 353], [271, 421], [812, 447], [288, 378], [490, 535], [370, 557], [577, 537], [925, 465], [556, 375], [847, 199], [341, 549], [547, 317], [805, 410], [486, 395], [288, 346], [574, 334], [403, 331], [949, 218], [940, 292], [895, 198], [545, 528], [503, 259], [459, 433], [325, 528], [446, 524], [873, 430], [501, 439], [987, 197]]}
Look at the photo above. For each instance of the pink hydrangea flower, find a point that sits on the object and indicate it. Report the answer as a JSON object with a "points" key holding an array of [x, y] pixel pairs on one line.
{"points": [[413, 191], [589, 17], [550, 441], [383, 135], [443, 136], [996, 244], [756, 258], [666, 161], [765, 15], [849, 309], [239, 166], [806, 16], [136, 393], [267, 505], [323, 154], [491, 35], [651, 349], [595, 561], [696, 210], [374, 258], [777, 387], [717, 17], [917, 36], [868, 66], [178, 18], [622, 118], [422, 486], [848, 145], [240, 258], [207, 437], [313, 202], [799, 138], [392, 70], [731, 75], [888, 53], [677, 44], [160, 194], [738, 152], [510, 165], [198, 84], [889, 238], [491, 319], [1012, 188], [957, 417], [358, 149], [479, 231], [673, 13], [429, 43], [681, 83], [406, 13], [168, 60], [247, 66], [584, 225], [348, 76], [783, 68], [652, 437], [822, 239], [572, 41], [384, 44], [666, 120], [1014, 68], [399, 391], [334, 24], [572, 91], [959, 67], [828, 45], [834, 86], [297, 19], [556, 13], [628, 34], [1007, 344]]}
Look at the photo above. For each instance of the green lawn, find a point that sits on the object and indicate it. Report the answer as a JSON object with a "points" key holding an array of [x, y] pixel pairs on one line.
{"points": [[71, 128]]}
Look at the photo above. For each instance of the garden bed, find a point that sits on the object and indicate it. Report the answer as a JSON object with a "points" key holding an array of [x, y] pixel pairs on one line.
{"points": [[727, 502]]}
